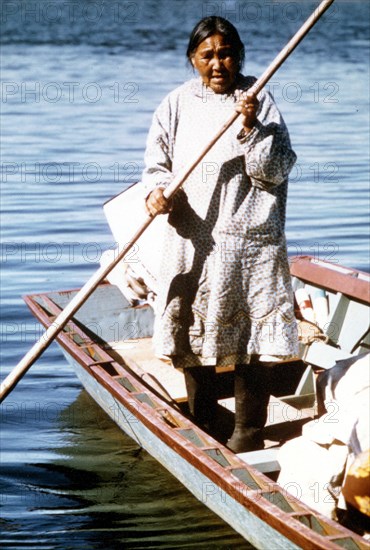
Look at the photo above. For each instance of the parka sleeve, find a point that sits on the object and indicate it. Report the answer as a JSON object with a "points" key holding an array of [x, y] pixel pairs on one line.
{"points": [[269, 157], [158, 152]]}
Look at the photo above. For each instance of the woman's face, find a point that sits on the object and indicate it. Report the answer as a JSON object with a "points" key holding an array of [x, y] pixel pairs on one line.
{"points": [[216, 63]]}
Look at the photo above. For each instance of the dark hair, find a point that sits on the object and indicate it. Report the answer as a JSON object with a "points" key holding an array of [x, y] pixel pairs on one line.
{"points": [[209, 26]]}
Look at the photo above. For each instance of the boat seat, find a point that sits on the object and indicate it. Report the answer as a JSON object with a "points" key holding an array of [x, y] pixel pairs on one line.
{"points": [[265, 460], [322, 355]]}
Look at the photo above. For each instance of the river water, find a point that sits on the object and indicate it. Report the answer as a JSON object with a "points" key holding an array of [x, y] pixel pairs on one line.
{"points": [[80, 80]]}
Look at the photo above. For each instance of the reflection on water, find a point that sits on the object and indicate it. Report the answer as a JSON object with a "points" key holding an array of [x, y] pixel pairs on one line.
{"points": [[99, 485]]}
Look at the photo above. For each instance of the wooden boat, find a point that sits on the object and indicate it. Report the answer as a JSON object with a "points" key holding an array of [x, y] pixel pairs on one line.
{"points": [[108, 343]]}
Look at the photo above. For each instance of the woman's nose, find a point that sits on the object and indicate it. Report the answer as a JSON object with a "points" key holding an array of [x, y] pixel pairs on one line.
{"points": [[216, 62]]}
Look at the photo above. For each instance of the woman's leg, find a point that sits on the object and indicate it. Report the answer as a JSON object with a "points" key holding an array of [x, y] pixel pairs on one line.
{"points": [[202, 395], [252, 394]]}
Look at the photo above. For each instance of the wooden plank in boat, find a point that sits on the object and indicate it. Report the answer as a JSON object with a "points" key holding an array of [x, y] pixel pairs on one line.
{"points": [[264, 461], [323, 355], [141, 352]]}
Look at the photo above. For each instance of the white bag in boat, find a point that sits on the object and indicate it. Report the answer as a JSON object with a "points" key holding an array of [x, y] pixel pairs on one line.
{"points": [[315, 464]]}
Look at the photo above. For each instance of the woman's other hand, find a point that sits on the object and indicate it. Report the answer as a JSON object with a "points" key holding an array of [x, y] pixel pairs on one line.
{"points": [[156, 203]]}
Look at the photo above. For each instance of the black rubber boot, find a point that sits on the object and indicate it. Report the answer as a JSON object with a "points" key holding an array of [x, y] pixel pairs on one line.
{"points": [[202, 395], [252, 394]]}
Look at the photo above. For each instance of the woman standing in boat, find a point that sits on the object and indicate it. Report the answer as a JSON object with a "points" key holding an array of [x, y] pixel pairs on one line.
{"points": [[225, 294]]}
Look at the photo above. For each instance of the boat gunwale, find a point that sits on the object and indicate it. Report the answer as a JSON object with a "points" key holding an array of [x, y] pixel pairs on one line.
{"points": [[284, 522], [326, 275]]}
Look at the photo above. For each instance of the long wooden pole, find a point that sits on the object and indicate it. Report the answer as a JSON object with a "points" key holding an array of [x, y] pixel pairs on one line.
{"points": [[80, 298]]}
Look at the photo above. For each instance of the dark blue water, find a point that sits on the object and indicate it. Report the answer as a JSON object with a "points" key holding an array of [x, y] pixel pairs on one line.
{"points": [[80, 80]]}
